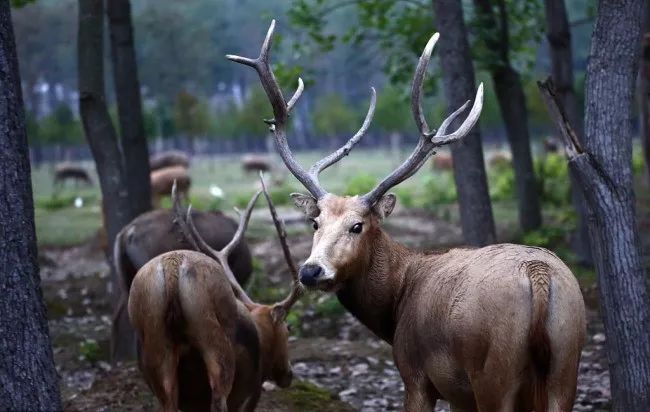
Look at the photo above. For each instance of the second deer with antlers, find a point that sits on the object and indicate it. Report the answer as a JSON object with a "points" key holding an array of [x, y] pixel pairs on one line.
{"points": [[497, 328], [204, 344]]}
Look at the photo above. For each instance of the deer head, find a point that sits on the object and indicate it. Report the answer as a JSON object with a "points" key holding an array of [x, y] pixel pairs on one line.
{"points": [[346, 227], [270, 319]]}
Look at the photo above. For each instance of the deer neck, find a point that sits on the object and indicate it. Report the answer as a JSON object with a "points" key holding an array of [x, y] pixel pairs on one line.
{"points": [[265, 336], [374, 288]]}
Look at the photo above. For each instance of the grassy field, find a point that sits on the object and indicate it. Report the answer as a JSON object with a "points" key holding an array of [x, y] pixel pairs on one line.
{"points": [[60, 223]]}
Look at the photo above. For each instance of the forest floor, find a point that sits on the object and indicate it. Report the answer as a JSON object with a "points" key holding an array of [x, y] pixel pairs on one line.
{"points": [[338, 364]]}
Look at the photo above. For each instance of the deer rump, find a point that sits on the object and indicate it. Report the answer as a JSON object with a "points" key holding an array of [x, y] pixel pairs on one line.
{"points": [[154, 233], [183, 300]]}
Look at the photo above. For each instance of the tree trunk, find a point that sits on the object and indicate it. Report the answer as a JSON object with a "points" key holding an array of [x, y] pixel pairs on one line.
{"points": [[611, 73], [129, 105], [605, 175], [102, 139], [559, 39], [512, 104], [28, 378], [644, 97], [459, 85]]}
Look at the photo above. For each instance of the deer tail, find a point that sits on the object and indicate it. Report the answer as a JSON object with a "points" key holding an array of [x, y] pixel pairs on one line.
{"points": [[539, 274]]}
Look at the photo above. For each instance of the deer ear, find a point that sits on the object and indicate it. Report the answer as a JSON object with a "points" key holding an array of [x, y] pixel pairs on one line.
{"points": [[306, 203], [384, 207], [278, 313]]}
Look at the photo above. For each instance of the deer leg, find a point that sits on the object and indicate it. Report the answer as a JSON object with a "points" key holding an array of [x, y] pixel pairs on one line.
{"points": [[160, 366], [419, 395], [219, 358], [495, 395]]}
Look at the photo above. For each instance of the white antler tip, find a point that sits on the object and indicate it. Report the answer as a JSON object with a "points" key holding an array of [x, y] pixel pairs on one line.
{"points": [[428, 49]]}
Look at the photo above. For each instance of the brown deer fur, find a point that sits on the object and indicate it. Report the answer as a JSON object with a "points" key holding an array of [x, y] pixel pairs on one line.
{"points": [[154, 233], [70, 171], [486, 329], [498, 328], [256, 163], [184, 309], [163, 179], [204, 344], [168, 159]]}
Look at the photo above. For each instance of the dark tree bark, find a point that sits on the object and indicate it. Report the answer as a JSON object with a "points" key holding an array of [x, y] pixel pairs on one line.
{"points": [[559, 39], [604, 172], [459, 85], [512, 103], [129, 105], [28, 379], [644, 96], [103, 142]]}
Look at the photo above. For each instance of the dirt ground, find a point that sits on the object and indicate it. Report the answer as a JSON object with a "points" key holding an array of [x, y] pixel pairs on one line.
{"points": [[338, 365]]}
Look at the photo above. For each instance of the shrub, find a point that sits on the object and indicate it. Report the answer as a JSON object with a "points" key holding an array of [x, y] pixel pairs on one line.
{"points": [[502, 181], [638, 163], [439, 188], [547, 237], [89, 350], [281, 195], [553, 175], [359, 184], [405, 196]]}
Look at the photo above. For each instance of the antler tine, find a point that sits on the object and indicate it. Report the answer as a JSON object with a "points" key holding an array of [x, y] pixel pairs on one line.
{"points": [[296, 287], [243, 225], [222, 256], [344, 150], [428, 139], [416, 88], [296, 95], [280, 111], [180, 220], [440, 139]]}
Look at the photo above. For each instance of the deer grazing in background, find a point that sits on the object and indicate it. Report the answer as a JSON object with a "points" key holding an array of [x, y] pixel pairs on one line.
{"points": [[256, 163], [205, 345], [168, 159], [154, 233], [163, 179], [70, 171], [497, 328]]}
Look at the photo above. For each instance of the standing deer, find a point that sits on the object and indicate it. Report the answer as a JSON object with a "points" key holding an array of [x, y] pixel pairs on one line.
{"points": [[205, 345], [154, 233], [169, 158], [163, 179], [496, 328], [70, 171]]}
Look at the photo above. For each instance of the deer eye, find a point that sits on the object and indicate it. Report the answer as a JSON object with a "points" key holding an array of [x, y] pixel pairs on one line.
{"points": [[356, 228], [315, 225]]}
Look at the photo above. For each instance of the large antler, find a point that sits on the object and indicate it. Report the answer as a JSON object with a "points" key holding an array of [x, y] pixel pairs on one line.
{"points": [[192, 234], [281, 111], [429, 139], [296, 287]]}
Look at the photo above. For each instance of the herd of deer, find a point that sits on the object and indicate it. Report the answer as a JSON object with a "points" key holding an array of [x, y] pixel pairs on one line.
{"points": [[497, 328]]}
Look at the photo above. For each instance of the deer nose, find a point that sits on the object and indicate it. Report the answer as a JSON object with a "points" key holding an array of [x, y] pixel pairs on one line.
{"points": [[309, 274]]}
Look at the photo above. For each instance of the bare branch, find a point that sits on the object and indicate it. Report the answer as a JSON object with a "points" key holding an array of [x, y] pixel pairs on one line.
{"points": [[572, 144]]}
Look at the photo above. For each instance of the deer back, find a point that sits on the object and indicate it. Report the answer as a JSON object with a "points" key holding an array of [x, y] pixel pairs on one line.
{"points": [[154, 233]]}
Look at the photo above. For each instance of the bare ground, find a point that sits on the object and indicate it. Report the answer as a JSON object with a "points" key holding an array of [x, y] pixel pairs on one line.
{"points": [[338, 364]]}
